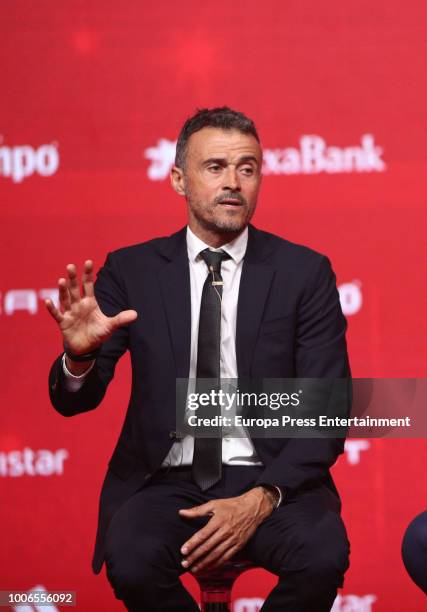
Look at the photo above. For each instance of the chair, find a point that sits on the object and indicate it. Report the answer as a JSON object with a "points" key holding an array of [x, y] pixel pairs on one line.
{"points": [[216, 584]]}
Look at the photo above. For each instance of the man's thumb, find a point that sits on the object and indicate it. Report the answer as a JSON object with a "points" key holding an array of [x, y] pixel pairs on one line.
{"points": [[124, 318]]}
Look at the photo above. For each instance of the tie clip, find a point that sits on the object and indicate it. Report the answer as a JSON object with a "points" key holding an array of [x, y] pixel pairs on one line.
{"points": [[217, 282]]}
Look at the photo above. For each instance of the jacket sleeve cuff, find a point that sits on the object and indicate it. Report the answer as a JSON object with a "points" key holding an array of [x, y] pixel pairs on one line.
{"points": [[278, 492]]}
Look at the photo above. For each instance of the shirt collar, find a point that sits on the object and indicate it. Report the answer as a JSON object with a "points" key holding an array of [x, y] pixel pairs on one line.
{"points": [[236, 248]]}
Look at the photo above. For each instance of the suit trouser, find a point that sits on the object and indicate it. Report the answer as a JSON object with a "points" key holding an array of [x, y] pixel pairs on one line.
{"points": [[303, 542]]}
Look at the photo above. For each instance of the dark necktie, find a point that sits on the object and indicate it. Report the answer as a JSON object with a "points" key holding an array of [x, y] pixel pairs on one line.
{"points": [[207, 459]]}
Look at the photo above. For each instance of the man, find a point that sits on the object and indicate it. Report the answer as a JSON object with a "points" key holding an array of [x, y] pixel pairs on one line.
{"points": [[217, 299]]}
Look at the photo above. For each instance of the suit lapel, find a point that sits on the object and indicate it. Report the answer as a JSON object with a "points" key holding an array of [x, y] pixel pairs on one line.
{"points": [[255, 282], [174, 282]]}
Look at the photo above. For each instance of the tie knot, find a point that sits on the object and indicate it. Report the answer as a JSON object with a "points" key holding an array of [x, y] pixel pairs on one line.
{"points": [[214, 259]]}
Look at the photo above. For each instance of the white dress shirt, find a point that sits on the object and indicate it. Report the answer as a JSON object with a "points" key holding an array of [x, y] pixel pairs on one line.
{"points": [[235, 450]]}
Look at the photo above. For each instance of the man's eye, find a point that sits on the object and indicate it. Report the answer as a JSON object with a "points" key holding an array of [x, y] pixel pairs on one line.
{"points": [[248, 170], [214, 167]]}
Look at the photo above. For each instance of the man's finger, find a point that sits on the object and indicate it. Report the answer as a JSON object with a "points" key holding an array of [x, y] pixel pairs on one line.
{"points": [[53, 311], [199, 537], [212, 557], [216, 560], [205, 548], [73, 283], [87, 278], [64, 294]]}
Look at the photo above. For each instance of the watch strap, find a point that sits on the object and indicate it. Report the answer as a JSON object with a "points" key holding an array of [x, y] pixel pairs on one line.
{"points": [[80, 358]]}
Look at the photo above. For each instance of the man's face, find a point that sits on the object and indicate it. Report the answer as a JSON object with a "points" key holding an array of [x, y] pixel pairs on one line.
{"points": [[221, 180]]}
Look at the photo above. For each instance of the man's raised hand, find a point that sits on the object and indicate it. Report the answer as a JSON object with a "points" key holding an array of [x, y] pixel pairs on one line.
{"points": [[83, 325]]}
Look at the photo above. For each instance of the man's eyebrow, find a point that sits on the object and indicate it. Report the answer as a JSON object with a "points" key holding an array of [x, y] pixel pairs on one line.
{"points": [[222, 161], [215, 160], [248, 158]]}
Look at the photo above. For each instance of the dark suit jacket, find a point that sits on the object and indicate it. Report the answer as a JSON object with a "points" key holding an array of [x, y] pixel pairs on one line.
{"points": [[289, 323]]}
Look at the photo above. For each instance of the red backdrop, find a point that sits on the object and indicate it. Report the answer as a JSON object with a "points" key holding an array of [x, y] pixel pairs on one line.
{"points": [[93, 96]]}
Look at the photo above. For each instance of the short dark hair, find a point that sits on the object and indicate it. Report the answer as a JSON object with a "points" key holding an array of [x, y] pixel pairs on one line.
{"points": [[222, 117]]}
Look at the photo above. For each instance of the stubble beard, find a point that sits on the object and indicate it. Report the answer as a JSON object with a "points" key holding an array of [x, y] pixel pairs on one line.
{"points": [[205, 217]]}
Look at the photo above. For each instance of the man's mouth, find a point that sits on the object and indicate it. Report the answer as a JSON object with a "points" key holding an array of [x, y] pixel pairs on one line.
{"points": [[231, 202]]}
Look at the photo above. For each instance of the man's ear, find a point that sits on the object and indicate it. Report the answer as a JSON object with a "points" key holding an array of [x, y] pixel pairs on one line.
{"points": [[178, 180]]}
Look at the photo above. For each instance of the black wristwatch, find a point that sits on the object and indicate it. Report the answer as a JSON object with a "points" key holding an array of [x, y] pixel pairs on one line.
{"points": [[82, 357]]}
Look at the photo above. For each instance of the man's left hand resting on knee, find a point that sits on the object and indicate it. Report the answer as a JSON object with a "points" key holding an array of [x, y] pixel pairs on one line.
{"points": [[232, 523]]}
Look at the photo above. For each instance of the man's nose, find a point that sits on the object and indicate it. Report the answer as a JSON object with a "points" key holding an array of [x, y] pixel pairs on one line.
{"points": [[231, 179]]}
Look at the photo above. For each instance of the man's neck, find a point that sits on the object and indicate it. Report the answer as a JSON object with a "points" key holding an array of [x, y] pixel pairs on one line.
{"points": [[215, 239]]}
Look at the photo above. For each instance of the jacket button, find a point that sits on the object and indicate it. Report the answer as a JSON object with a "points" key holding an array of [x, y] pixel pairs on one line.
{"points": [[172, 435]]}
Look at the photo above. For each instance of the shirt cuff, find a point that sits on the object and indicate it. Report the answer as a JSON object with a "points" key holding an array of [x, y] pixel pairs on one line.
{"points": [[72, 382]]}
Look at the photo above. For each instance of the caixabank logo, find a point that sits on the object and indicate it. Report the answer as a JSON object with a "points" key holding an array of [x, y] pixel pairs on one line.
{"points": [[312, 155], [20, 162]]}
